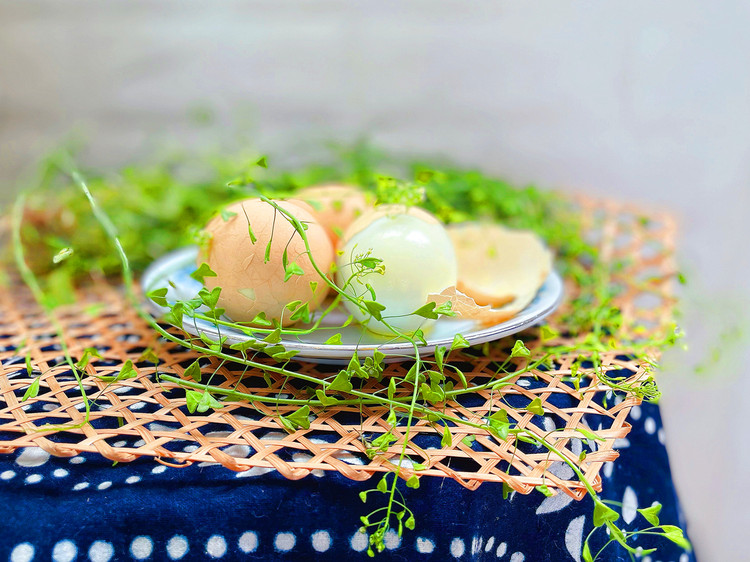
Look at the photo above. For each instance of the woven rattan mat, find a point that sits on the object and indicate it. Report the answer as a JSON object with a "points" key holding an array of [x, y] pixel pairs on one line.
{"points": [[144, 417]]}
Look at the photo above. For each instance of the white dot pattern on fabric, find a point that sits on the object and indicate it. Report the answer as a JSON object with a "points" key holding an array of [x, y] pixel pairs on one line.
{"points": [[650, 426], [629, 505], [476, 544], [457, 547], [132, 479], [32, 456], [33, 478], [285, 541], [158, 469], [574, 537], [321, 541], [391, 540], [64, 551], [425, 546], [104, 485], [684, 557], [359, 541], [7, 475], [490, 544], [80, 486], [661, 436], [255, 471], [190, 448], [216, 546], [608, 468], [23, 552], [101, 551], [635, 412], [248, 541], [59, 473], [77, 460], [501, 548], [177, 547], [517, 557], [141, 547]]}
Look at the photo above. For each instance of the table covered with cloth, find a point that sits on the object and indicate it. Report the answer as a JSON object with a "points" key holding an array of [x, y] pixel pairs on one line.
{"points": [[84, 508], [137, 475]]}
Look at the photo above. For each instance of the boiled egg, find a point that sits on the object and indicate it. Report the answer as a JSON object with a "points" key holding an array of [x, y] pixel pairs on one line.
{"points": [[335, 206], [418, 259]]}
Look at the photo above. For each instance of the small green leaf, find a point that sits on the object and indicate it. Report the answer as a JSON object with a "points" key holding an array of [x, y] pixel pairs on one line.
{"points": [[208, 402], [535, 407], [544, 489], [335, 339], [325, 400], [292, 269], [590, 434], [29, 368], [313, 286], [427, 311], [548, 333], [459, 342], [439, 355], [676, 535], [603, 513], [194, 371], [210, 298], [507, 490], [468, 440], [32, 391], [273, 337], [681, 278], [382, 485], [62, 255], [192, 399], [586, 553], [302, 313], [148, 356], [447, 439], [341, 382], [202, 272], [520, 350], [363, 496], [300, 418], [391, 388], [651, 513], [284, 355], [226, 215], [418, 335], [375, 309], [445, 309], [262, 162], [412, 481], [410, 523], [369, 263]]}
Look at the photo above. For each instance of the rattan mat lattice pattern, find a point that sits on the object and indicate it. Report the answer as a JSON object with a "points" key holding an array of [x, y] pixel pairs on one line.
{"points": [[143, 416]]}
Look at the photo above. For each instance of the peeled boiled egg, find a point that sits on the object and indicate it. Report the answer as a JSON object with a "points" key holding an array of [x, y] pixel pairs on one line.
{"points": [[252, 275], [417, 260], [335, 206]]}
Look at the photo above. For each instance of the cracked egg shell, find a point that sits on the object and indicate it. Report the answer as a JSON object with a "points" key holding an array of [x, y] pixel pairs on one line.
{"points": [[250, 284], [499, 266]]}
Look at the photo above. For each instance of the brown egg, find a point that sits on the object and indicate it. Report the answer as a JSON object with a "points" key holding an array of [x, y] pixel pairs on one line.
{"points": [[252, 284], [335, 206]]}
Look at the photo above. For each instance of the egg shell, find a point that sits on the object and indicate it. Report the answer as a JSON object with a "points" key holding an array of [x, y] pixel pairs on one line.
{"points": [[335, 206], [250, 285]]}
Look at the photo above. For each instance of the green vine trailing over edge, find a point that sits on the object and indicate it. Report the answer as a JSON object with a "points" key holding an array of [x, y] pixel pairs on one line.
{"points": [[339, 388]]}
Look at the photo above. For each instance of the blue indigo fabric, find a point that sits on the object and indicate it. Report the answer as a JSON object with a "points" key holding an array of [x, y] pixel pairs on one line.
{"points": [[84, 508]]}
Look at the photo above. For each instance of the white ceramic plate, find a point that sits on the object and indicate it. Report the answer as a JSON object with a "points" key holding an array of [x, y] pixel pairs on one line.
{"points": [[178, 265]]}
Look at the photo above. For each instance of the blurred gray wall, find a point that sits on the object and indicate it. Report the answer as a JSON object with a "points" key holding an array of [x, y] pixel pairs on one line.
{"points": [[639, 100]]}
